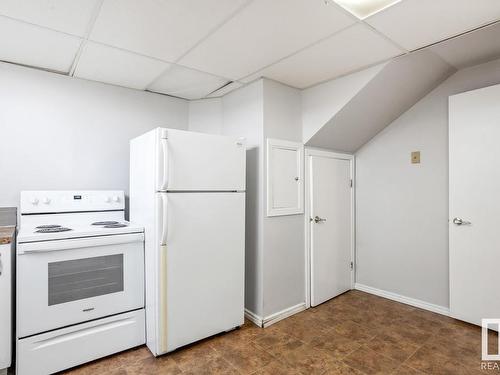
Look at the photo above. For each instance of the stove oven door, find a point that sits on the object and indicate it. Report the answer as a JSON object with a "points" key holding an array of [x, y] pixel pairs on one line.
{"points": [[65, 282]]}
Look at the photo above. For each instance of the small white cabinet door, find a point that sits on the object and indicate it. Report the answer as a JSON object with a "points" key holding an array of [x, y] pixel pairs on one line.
{"points": [[5, 305], [285, 186]]}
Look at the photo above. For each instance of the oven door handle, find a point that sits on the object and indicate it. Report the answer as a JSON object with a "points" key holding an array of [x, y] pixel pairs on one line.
{"points": [[78, 243]]}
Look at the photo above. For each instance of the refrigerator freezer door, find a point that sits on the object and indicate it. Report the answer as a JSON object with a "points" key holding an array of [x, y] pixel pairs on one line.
{"points": [[202, 275], [190, 161]]}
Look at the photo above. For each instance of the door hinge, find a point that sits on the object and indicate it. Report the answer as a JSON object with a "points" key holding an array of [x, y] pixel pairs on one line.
{"points": [[351, 182], [352, 265]]}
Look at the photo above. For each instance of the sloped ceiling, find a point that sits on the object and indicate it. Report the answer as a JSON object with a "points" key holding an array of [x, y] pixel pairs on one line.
{"points": [[472, 48], [320, 103], [389, 93]]}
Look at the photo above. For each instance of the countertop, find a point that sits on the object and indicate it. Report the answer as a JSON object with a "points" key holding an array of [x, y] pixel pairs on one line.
{"points": [[8, 222]]}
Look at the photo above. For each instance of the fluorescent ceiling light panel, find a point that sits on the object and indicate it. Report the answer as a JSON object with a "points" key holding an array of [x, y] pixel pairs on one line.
{"points": [[365, 8]]}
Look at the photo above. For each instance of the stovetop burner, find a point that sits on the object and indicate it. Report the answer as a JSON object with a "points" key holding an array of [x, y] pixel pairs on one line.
{"points": [[117, 225], [105, 223], [48, 226], [53, 229]]}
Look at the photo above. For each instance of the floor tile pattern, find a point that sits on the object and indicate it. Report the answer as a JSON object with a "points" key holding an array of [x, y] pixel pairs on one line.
{"points": [[355, 333]]}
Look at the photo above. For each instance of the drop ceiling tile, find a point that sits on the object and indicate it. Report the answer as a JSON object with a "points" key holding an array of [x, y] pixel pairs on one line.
{"points": [[186, 83], [160, 28], [71, 17], [117, 67], [471, 49], [264, 32], [350, 50], [418, 23], [225, 90], [36, 46]]}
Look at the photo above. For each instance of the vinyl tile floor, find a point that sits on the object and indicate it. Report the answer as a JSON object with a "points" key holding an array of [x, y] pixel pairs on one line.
{"points": [[355, 333]]}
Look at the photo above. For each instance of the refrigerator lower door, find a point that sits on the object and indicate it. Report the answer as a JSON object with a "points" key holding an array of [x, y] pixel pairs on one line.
{"points": [[201, 267]]}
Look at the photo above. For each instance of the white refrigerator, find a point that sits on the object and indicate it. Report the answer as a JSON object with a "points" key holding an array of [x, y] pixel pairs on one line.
{"points": [[188, 190]]}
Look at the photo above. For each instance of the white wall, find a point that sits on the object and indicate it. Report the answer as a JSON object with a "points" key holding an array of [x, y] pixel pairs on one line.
{"points": [[284, 260], [205, 116], [60, 133], [402, 208]]}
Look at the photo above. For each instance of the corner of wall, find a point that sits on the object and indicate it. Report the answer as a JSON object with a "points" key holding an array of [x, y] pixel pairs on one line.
{"points": [[392, 195]]}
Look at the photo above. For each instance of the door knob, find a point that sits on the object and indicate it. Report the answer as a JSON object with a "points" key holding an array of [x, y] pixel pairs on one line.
{"points": [[318, 219], [458, 221]]}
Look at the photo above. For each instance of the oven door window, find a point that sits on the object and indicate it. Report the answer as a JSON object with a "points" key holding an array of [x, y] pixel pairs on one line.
{"points": [[78, 279]]}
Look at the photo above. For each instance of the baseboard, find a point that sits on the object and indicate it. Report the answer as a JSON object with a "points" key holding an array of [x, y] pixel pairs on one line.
{"points": [[406, 300], [254, 318], [276, 317], [280, 315]]}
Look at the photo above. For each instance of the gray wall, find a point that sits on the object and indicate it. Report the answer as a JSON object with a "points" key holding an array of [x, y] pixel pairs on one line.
{"points": [[205, 116], [284, 260], [402, 209], [242, 116], [274, 246], [60, 133]]}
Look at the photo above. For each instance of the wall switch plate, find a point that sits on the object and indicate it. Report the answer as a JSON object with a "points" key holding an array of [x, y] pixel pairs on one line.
{"points": [[415, 157]]}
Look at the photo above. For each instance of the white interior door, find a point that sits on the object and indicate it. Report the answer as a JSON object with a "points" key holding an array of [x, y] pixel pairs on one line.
{"points": [[330, 226], [474, 133]]}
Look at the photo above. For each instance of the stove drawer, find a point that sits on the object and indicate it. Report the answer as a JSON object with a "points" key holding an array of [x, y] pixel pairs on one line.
{"points": [[59, 288], [68, 347]]}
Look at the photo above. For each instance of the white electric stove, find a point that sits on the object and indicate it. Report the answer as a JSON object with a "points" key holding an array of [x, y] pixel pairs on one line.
{"points": [[80, 279]]}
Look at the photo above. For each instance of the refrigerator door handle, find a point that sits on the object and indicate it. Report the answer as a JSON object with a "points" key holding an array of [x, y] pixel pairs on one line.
{"points": [[164, 223], [163, 345], [163, 172]]}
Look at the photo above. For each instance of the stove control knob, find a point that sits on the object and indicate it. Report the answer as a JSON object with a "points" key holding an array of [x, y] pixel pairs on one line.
{"points": [[34, 201], [46, 200], [107, 199], [116, 198]]}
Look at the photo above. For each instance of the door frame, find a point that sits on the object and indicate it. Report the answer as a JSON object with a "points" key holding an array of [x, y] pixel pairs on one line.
{"points": [[309, 152]]}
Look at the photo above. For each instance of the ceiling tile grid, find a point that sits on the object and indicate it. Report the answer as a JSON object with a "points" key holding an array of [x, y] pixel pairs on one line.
{"points": [[165, 29], [32, 45], [186, 83], [72, 17], [351, 49], [189, 48], [117, 67], [264, 32]]}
